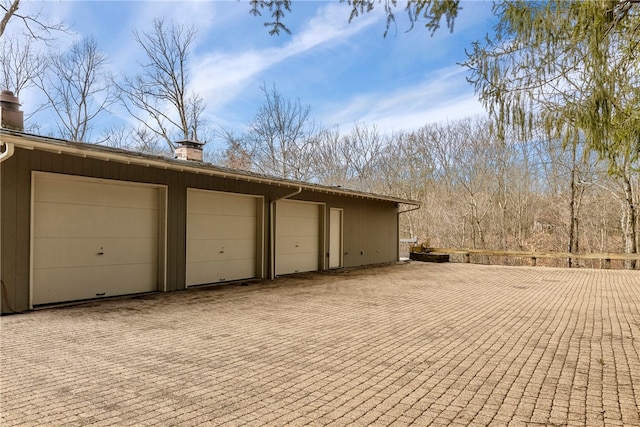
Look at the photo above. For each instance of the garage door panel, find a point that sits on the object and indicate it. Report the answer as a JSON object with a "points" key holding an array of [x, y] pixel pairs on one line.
{"points": [[69, 220], [238, 269], [221, 227], [93, 238], [243, 206], [298, 264], [219, 271], [64, 190], [77, 252], [69, 284], [298, 209], [220, 250], [298, 245], [201, 202], [297, 236], [297, 226], [240, 250], [221, 237]]}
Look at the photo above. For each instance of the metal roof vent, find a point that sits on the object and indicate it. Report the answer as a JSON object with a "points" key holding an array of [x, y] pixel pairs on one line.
{"points": [[11, 117], [189, 150]]}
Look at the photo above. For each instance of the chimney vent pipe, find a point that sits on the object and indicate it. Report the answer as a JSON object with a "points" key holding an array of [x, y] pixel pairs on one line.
{"points": [[11, 117], [189, 150]]}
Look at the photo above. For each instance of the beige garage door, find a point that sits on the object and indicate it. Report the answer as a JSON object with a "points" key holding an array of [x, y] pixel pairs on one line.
{"points": [[222, 243], [93, 238], [297, 236]]}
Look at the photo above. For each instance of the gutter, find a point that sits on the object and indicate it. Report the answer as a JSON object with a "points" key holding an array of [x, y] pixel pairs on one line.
{"points": [[272, 234], [57, 146], [415, 208]]}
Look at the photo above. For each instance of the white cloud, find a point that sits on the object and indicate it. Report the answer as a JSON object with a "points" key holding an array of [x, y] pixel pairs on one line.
{"points": [[220, 76], [441, 95], [227, 75], [200, 14], [329, 25], [453, 109]]}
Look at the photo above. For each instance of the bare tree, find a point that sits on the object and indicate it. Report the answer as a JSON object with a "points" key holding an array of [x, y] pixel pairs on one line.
{"points": [[10, 8], [234, 155], [159, 96], [351, 160], [34, 25], [281, 137], [623, 186], [139, 139], [21, 64], [405, 169], [493, 191], [77, 88], [585, 87], [361, 149], [329, 165]]}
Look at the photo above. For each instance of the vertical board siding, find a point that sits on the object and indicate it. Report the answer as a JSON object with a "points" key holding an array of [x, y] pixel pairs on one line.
{"points": [[369, 227], [370, 233], [178, 234], [23, 228], [9, 232], [172, 246], [16, 224]]}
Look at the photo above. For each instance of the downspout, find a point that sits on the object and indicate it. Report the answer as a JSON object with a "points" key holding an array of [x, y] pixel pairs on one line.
{"points": [[4, 155], [272, 236], [8, 151], [415, 208]]}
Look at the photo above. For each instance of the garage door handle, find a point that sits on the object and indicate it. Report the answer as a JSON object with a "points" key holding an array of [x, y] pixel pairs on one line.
{"points": [[100, 253], [101, 294]]}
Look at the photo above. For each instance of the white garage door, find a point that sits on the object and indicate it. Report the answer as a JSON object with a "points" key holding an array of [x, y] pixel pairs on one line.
{"points": [[297, 236], [93, 238], [221, 237]]}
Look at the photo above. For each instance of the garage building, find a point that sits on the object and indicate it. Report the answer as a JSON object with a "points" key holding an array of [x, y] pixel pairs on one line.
{"points": [[82, 221]]}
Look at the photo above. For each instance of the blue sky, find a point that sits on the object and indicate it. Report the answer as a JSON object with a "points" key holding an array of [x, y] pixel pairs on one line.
{"points": [[347, 73]]}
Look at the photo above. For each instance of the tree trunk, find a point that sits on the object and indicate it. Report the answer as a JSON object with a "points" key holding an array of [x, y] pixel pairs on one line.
{"points": [[574, 208], [629, 221]]}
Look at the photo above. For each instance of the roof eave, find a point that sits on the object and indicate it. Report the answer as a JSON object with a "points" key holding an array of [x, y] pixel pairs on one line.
{"points": [[99, 152]]}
